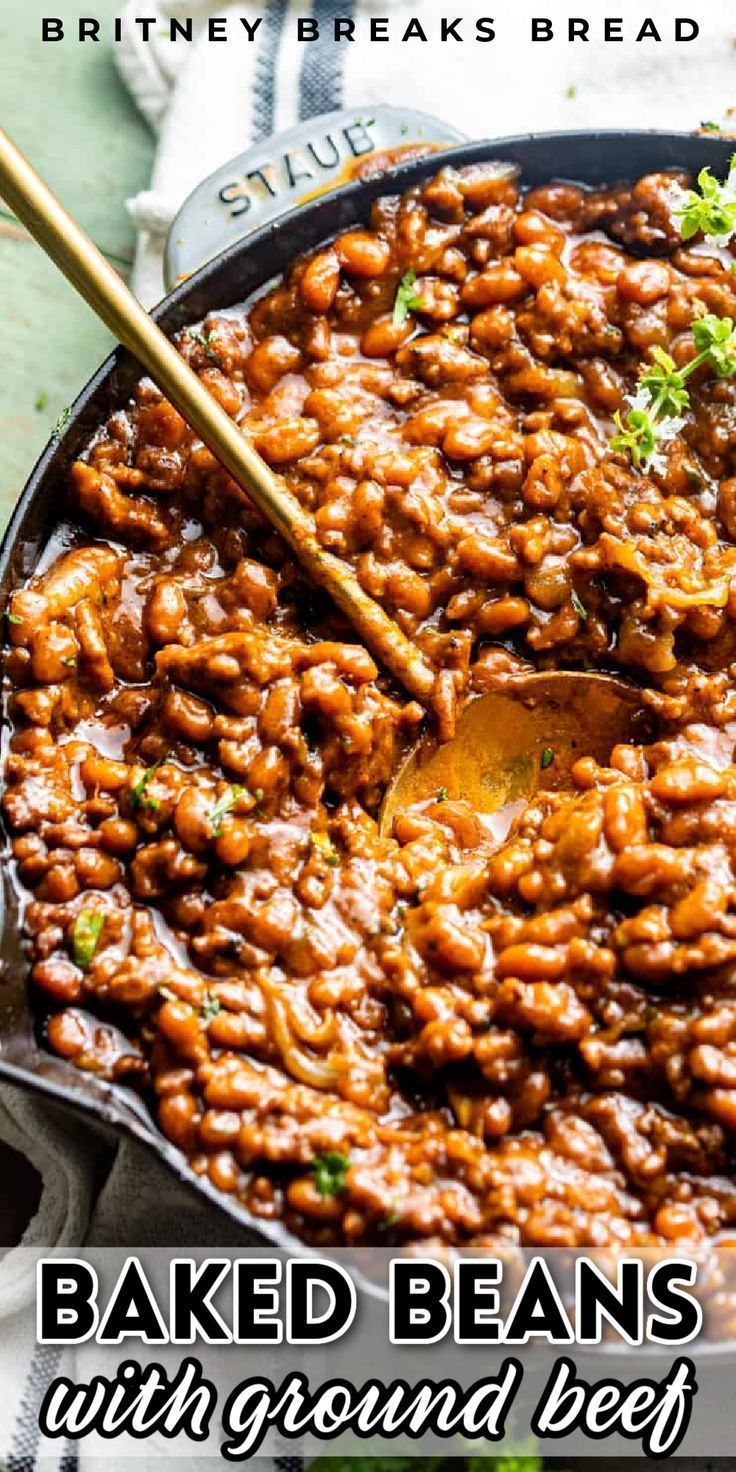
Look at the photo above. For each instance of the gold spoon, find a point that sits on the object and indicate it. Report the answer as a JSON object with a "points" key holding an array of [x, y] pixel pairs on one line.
{"points": [[510, 742], [498, 752], [88, 271]]}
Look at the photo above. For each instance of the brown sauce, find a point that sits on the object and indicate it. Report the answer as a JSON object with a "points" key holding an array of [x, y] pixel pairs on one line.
{"points": [[434, 1034]]}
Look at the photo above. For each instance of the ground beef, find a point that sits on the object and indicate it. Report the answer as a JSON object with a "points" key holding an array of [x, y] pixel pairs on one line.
{"points": [[422, 1035]]}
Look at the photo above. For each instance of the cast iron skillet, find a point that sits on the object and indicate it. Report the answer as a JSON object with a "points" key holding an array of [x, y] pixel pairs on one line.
{"points": [[588, 158]]}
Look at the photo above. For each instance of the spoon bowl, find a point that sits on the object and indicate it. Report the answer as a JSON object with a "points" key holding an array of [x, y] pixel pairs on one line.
{"points": [[511, 741]]}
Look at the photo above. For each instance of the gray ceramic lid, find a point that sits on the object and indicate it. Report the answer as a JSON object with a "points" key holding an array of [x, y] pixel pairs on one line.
{"points": [[281, 172]]}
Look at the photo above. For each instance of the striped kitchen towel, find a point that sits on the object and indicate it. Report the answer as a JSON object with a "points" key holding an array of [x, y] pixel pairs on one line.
{"points": [[208, 100]]}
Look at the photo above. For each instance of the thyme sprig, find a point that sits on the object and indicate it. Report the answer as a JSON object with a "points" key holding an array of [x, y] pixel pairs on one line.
{"points": [[656, 411]]}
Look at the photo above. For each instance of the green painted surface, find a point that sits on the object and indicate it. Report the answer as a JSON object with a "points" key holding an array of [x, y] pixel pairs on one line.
{"points": [[67, 109]]}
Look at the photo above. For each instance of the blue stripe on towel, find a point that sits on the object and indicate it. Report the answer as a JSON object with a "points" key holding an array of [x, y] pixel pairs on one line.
{"points": [[321, 79], [26, 1434], [264, 86]]}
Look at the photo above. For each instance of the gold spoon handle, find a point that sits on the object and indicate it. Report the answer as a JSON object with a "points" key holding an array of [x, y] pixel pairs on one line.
{"points": [[88, 271]]}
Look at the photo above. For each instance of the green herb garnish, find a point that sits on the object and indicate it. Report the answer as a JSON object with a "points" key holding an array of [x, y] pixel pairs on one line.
{"points": [[572, 90], [711, 127], [210, 1008], [710, 209], [330, 1172], [41, 402], [223, 806], [546, 758], [14, 618], [579, 606], [137, 796], [406, 299], [323, 845], [715, 339], [86, 932], [657, 407], [442, 794], [205, 340]]}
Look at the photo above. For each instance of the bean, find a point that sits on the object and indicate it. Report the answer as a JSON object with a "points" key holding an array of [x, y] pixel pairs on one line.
{"points": [[187, 716], [643, 282], [98, 771], [624, 821], [384, 336], [467, 439], [166, 612], [687, 780], [318, 285], [288, 440], [499, 282], [234, 843], [531, 227], [559, 201], [256, 586], [544, 484], [118, 835], [503, 614], [67, 1034], [269, 361], [537, 266], [368, 508], [177, 1116], [61, 980], [223, 1171], [531, 962], [54, 652], [362, 254]]}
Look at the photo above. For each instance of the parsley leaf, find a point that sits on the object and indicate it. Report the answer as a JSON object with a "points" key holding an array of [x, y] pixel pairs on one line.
{"points": [[710, 209], [86, 932], [210, 1008], [579, 606], [664, 382], [14, 618], [137, 796], [223, 805], [406, 299], [715, 339], [330, 1171], [546, 758]]}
